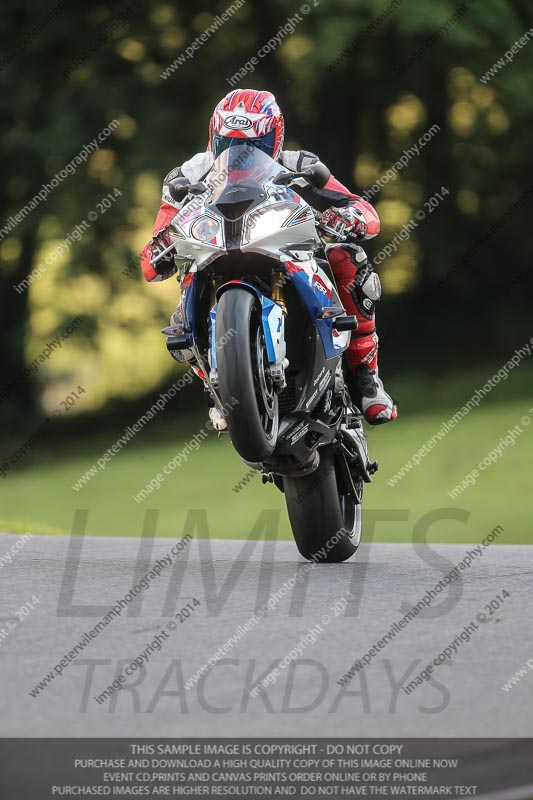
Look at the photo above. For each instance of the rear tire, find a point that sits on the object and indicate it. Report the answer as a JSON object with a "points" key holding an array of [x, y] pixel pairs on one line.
{"points": [[326, 523], [245, 384]]}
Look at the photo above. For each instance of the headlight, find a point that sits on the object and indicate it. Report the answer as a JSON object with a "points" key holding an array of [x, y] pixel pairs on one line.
{"points": [[205, 228], [269, 220]]}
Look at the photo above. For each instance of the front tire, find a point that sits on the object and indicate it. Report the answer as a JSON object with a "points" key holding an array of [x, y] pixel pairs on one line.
{"points": [[325, 521], [245, 384]]}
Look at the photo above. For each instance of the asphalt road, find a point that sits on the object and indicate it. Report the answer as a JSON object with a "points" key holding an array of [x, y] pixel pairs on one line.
{"points": [[65, 594]]}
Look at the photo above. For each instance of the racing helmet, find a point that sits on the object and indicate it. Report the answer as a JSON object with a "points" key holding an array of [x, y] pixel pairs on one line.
{"points": [[246, 116]]}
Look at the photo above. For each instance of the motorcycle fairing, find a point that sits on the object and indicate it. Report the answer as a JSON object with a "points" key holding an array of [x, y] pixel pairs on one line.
{"points": [[317, 291], [188, 293]]}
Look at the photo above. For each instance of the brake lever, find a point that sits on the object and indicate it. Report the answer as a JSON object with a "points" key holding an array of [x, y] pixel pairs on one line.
{"points": [[340, 237], [163, 253]]}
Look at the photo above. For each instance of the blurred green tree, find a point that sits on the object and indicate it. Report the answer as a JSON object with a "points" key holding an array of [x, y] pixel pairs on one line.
{"points": [[359, 112]]}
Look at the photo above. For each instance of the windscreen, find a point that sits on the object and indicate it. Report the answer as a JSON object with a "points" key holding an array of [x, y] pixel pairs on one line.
{"points": [[241, 164]]}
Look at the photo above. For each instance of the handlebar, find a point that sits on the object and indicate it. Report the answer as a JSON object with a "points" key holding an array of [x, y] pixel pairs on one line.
{"points": [[340, 237]]}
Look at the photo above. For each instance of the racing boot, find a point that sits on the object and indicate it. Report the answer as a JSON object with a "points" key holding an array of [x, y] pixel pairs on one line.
{"points": [[217, 420], [360, 290], [367, 391]]}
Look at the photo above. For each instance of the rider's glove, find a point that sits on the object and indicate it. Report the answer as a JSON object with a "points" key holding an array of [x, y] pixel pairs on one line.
{"points": [[158, 244], [345, 220]]}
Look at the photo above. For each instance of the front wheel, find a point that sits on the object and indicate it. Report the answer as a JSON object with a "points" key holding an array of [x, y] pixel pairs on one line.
{"points": [[245, 383], [324, 516]]}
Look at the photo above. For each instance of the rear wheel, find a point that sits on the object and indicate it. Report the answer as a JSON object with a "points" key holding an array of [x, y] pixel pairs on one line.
{"points": [[324, 515], [245, 383]]}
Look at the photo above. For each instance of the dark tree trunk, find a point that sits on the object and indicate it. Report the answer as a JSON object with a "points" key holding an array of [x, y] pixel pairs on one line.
{"points": [[20, 400]]}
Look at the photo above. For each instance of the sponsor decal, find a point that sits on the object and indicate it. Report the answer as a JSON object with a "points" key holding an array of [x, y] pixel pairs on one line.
{"points": [[299, 432], [319, 284], [237, 123], [327, 400], [320, 374], [311, 399], [324, 381]]}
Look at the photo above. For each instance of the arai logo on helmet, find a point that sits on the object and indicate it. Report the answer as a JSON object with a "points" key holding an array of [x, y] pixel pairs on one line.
{"points": [[236, 123]]}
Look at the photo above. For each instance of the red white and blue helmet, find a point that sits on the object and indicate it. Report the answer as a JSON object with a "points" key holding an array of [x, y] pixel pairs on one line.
{"points": [[246, 116]]}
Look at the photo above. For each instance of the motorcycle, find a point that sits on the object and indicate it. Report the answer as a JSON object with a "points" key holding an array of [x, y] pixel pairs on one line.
{"points": [[263, 317]]}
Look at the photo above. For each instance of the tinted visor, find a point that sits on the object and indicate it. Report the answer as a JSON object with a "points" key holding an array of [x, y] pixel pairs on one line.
{"points": [[264, 143]]}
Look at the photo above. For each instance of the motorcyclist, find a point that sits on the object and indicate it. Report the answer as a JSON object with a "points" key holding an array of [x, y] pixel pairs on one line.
{"points": [[253, 117]]}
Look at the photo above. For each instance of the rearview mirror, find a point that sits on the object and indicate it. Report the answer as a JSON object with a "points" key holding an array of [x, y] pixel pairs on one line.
{"points": [[178, 189], [317, 174]]}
